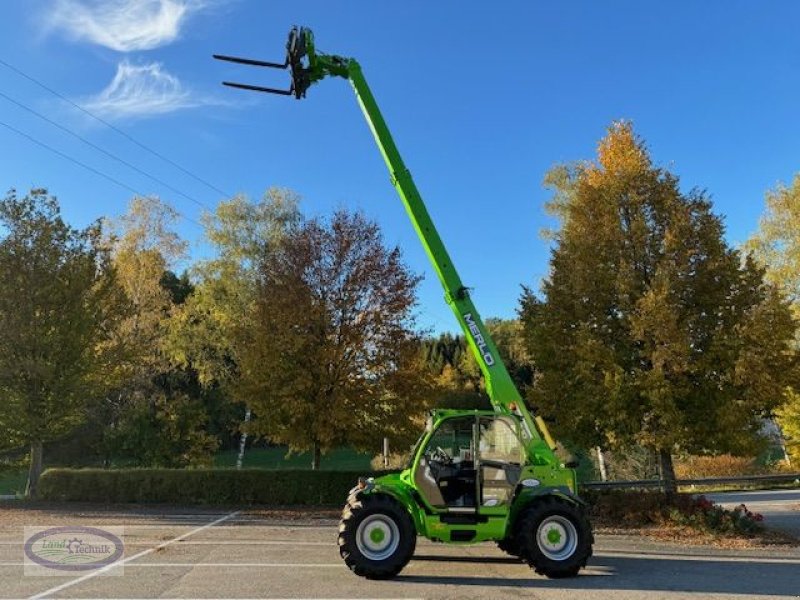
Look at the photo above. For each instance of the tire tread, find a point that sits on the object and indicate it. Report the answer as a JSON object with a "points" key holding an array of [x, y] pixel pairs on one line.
{"points": [[353, 513]]}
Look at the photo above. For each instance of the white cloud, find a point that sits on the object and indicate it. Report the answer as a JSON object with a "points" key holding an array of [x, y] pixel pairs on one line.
{"points": [[123, 25], [143, 91]]}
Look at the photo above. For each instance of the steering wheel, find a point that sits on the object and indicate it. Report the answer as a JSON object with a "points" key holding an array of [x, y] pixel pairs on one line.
{"points": [[440, 455]]}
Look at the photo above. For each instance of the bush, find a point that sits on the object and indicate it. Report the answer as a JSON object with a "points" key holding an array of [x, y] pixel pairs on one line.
{"points": [[705, 515], [622, 508], [198, 486], [724, 465], [165, 430]]}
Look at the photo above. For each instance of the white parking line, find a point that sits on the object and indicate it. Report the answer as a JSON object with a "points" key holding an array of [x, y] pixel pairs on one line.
{"points": [[192, 565], [132, 543], [162, 526], [93, 574], [331, 544], [339, 565]]}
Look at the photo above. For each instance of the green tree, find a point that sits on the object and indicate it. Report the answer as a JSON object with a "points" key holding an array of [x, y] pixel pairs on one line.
{"points": [[330, 356], [459, 379], [180, 287], [776, 245], [207, 331], [651, 330], [155, 415], [203, 333], [58, 300], [144, 247]]}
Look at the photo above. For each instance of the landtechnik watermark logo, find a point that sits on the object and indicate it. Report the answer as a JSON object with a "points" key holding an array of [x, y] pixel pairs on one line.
{"points": [[73, 549]]}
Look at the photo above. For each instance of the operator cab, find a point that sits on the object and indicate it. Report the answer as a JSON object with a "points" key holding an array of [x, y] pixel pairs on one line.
{"points": [[471, 461]]}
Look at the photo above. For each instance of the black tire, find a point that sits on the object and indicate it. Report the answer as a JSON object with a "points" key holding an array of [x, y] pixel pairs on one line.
{"points": [[555, 536], [374, 555], [510, 546]]}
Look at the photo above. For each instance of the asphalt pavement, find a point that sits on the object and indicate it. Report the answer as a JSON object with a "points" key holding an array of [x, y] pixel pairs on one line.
{"points": [[188, 553]]}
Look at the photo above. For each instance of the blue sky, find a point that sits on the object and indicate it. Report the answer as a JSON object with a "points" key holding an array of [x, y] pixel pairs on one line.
{"points": [[482, 101]]}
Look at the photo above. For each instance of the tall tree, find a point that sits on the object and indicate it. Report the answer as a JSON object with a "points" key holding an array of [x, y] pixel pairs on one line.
{"points": [[144, 247], [776, 245], [651, 330], [57, 301], [208, 331], [203, 333], [330, 356], [156, 413]]}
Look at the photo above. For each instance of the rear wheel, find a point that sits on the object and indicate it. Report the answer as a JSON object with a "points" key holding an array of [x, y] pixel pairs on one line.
{"points": [[510, 546], [376, 536], [556, 537]]}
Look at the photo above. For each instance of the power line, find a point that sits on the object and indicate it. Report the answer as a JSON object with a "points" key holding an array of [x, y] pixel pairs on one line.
{"points": [[106, 152], [85, 166], [117, 129]]}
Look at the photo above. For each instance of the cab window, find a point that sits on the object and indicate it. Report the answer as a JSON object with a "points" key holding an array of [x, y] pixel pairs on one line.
{"points": [[499, 441]]}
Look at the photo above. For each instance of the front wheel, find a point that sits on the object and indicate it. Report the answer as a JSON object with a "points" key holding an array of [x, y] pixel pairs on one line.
{"points": [[376, 536], [556, 537]]}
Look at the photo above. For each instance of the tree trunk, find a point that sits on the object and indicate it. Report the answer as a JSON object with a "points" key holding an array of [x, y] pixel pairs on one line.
{"points": [[243, 439], [315, 456], [601, 463], [667, 472], [35, 469]]}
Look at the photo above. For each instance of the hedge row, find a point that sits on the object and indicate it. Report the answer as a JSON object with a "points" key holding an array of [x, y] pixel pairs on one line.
{"points": [[198, 486]]}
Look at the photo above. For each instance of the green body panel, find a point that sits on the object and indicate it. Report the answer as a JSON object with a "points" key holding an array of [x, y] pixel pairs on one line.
{"points": [[428, 521], [492, 522], [498, 521]]}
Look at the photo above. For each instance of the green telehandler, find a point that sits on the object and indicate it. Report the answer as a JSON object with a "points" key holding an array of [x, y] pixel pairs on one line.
{"points": [[474, 475]]}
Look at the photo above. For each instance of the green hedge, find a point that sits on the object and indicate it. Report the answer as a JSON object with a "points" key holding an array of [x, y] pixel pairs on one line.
{"points": [[198, 486]]}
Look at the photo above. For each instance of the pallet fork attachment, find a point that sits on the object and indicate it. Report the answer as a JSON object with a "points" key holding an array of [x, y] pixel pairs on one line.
{"points": [[300, 60]]}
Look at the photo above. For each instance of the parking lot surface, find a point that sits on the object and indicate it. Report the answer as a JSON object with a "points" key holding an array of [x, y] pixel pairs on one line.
{"points": [[188, 553]]}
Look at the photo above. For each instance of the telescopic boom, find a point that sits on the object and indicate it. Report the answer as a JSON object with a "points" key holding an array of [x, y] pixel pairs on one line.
{"points": [[308, 67]]}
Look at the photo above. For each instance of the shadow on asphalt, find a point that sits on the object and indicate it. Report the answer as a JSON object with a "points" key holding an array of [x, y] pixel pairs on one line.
{"points": [[645, 574], [494, 560]]}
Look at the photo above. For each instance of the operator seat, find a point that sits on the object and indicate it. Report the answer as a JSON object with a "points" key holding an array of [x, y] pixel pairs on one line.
{"points": [[426, 483]]}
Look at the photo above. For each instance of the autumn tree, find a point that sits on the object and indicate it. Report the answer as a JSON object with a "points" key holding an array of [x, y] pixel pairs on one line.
{"points": [[58, 300], [650, 329], [155, 416], [144, 247], [330, 356], [776, 245], [208, 330], [205, 332]]}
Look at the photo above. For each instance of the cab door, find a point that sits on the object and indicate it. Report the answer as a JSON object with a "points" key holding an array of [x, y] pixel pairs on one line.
{"points": [[499, 460], [445, 474]]}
